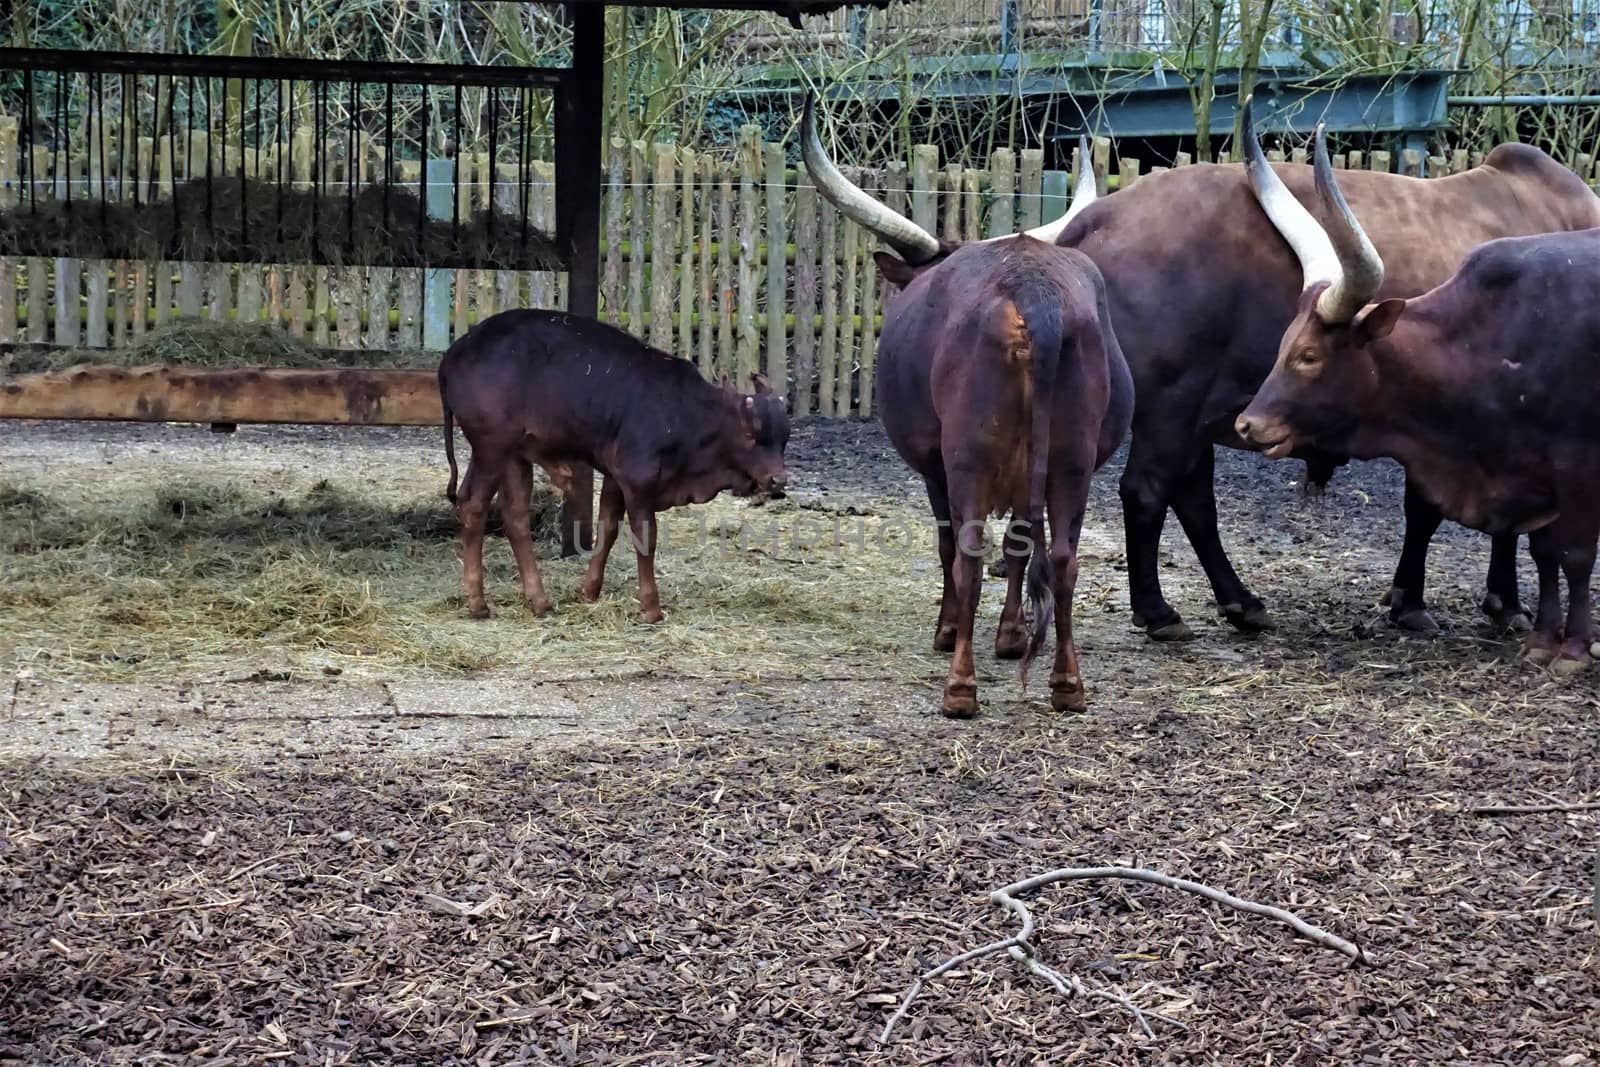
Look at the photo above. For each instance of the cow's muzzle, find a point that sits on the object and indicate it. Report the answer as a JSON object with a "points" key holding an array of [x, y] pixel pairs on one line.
{"points": [[1271, 436]]}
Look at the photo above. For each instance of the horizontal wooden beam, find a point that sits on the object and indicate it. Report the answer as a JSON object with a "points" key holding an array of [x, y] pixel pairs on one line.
{"points": [[344, 397]]}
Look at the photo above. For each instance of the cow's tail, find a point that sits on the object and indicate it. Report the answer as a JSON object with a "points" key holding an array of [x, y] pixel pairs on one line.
{"points": [[1040, 305], [449, 441]]}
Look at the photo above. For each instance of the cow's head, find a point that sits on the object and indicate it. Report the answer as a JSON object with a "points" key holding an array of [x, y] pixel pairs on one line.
{"points": [[755, 436], [1325, 377], [916, 250]]}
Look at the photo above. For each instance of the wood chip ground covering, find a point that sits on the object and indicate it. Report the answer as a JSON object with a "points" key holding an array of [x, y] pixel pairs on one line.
{"points": [[753, 869]]}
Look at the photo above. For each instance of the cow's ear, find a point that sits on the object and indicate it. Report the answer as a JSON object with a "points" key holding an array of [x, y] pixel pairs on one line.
{"points": [[759, 383], [1378, 320], [894, 269]]}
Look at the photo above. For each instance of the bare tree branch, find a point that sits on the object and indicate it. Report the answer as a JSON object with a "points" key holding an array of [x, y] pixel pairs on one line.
{"points": [[1020, 946]]}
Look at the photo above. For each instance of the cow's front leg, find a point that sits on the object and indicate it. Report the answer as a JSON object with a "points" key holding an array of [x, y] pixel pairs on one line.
{"points": [[1011, 640], [611, 509], [1195, 504], [642, 524], [1542, 645], [1146, 492], [961, 685], [515, 490], [1407, 608]]}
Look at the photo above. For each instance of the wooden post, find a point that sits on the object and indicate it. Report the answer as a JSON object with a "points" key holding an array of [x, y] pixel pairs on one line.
{"points": [[1032, 188], [543, 292], [1182, 159], [688, 173], [950, 228], [1355, 161], [140, 296], [1003, 192], [1127, 172], [777, 275], [488, 294], [463, 282], [9, 128], [972, 204], [1411, 163], [1101, 151], [1458, 161], [1300, 156], [725, 360], [749, 208], [708, 235], [663, 229], [850, 244], [616, 194], [408, 280], [638, 203], [1379, 161], [828, 339], [805, 294], [925, 187], [507, 203]]}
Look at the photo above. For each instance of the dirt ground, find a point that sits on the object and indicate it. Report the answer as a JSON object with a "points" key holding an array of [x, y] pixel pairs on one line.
{"points": [[739, 837]]}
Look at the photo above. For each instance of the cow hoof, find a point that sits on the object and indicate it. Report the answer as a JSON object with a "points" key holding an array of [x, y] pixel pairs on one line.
{"points": [[1247, 619], [653, 616], [1566, 666], [1416, 620], [589, 596], [1011, 642], [944, 639], [1512, 620], [477, 611], [540, 608], [960, 700], [1066, 694], [1176, 630], [1538, 655]]}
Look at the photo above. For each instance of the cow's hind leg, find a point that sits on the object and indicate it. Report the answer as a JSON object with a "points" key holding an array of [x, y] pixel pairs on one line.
{"points": [[966, 573], [1145, 492], [944, 631], [1069, 497], [1577, 563], [611, 508], [1502, 600], [472, 508], [1540, 647], [1011, 640], [1195, 503], [515, 490]]}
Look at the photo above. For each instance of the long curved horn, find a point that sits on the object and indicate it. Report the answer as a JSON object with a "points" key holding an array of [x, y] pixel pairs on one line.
{"points": [[915, 245], [1319, 260], [1082, 197], [1361, 269]]}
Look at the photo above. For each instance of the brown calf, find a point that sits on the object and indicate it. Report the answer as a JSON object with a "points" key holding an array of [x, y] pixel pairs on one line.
{"points": [[1485, 388], [561, 390]]}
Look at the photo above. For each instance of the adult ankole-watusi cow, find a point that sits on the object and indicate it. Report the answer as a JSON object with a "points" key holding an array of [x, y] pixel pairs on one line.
{"points": [[1000, 382], [555, 389], [1201, 289], [1487, 388]]}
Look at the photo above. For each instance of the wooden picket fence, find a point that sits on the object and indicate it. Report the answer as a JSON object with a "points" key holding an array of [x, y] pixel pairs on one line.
{"points": [[738, 265]]}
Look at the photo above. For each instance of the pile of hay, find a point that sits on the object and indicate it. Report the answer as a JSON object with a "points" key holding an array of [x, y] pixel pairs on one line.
{"points": [[203, 343], [227, 221]]}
